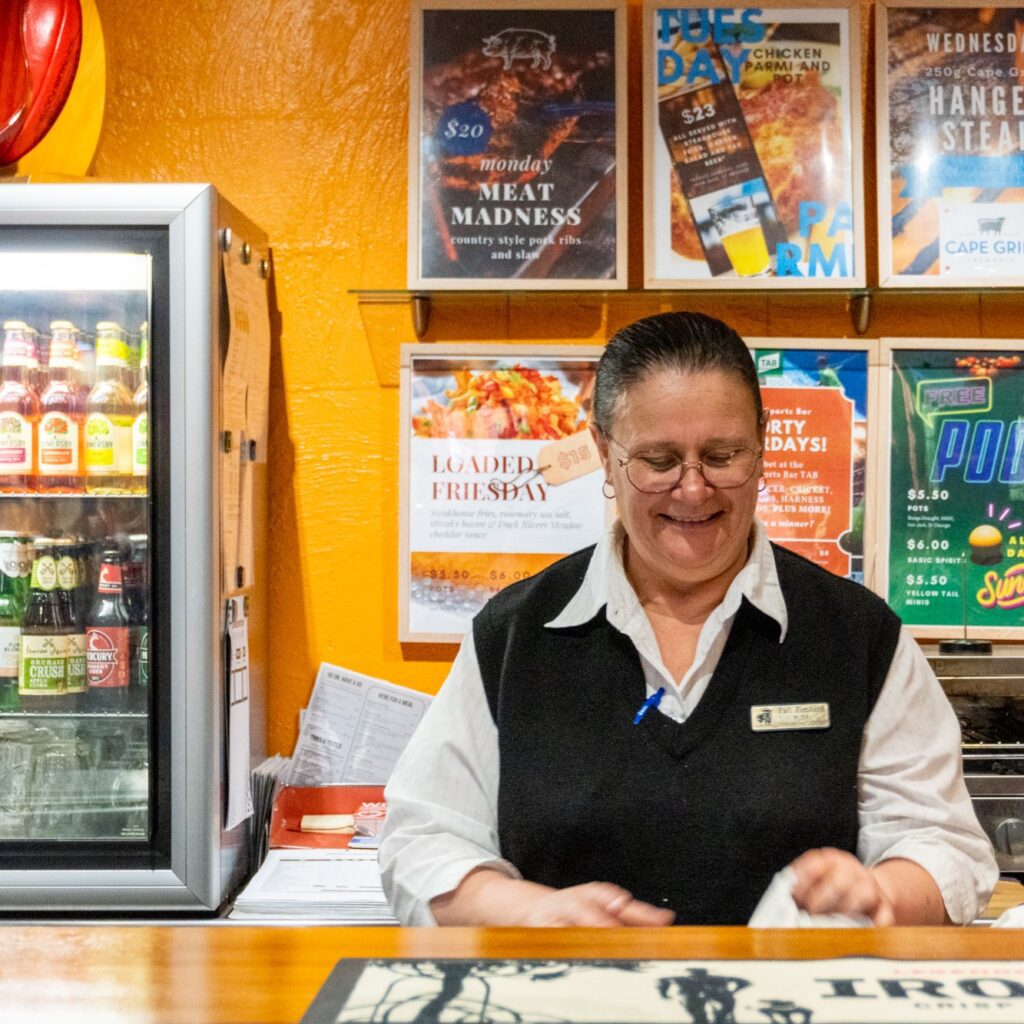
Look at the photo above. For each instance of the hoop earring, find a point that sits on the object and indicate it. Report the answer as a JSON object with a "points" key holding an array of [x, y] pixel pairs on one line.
{"points": [[604, 489], [763, 486]]}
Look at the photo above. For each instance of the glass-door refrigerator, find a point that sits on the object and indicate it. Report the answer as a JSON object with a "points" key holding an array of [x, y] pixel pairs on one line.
{"points": [[115, 696]]}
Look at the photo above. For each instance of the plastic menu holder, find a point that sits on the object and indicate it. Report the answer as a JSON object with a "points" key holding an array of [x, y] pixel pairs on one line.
{"points": [[294, 802]]}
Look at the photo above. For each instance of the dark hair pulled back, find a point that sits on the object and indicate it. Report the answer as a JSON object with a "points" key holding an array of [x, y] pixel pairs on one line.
{"points": [[675, 342]]}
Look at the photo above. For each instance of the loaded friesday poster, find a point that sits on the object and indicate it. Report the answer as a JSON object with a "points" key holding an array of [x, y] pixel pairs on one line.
{"points": [[752, 146], [953, 486], [517, 144], [500, 476], [848, 990], [815, 492], [950, 91]]}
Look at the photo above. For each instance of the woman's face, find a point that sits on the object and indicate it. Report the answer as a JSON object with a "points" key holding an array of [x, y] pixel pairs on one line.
{"points": [[695, 533]]}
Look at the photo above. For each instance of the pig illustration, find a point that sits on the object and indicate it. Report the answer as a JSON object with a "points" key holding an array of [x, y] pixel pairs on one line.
{"points": [[512, 44]]}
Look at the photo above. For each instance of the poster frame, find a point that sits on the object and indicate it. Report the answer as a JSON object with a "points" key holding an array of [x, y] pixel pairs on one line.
{"points": [[887, 278], [415, 279], [468, 350], [651, 138], [883, 481], [869, 346]]}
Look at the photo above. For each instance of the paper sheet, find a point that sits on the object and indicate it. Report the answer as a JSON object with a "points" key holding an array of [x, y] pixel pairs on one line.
{"points": [[239, 804], [354, 729]]}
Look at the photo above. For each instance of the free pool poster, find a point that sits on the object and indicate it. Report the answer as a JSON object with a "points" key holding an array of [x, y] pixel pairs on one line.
{"points": [[815, 453], [751, 120], [951, 151], [956, 488], [503, 479], [847, 990], [518, 145]]}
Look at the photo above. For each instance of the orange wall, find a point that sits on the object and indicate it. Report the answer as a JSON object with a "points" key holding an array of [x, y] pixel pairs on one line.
{"points": [[297, 110]]}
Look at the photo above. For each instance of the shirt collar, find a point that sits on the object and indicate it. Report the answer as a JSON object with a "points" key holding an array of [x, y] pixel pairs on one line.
{"points": [[606, 584]]}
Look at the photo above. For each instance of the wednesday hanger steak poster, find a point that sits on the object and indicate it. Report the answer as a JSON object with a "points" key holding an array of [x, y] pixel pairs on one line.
{"points": [[815, 452], [956, 486], [951, 144], [752, 146], [850, 990], [517, 144], [500, 475]]}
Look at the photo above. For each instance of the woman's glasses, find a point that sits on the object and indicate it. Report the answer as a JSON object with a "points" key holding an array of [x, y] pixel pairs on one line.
{"points": [[655, 472]]}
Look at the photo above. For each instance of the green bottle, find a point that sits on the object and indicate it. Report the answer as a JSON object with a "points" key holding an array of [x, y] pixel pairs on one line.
{"points": [[15, 568]]}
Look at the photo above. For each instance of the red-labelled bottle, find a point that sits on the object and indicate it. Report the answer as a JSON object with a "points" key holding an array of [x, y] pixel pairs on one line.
{"points": [[61, 463], [19, 411], [108, 638]]}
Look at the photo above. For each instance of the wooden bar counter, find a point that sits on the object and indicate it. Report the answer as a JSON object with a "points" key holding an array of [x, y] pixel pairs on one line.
{"points": [[241, 974]]}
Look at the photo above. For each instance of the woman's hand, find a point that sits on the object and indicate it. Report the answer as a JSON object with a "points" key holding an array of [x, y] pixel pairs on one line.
{"points": [[489, 898], [832, 881]]}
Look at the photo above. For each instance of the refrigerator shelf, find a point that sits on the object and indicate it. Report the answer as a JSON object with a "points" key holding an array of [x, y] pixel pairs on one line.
{"points": [[37, 496], [108, 716]]}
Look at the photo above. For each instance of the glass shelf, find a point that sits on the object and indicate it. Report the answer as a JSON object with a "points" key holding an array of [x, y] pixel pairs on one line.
{"points": [[41, 495], [49, 716]]}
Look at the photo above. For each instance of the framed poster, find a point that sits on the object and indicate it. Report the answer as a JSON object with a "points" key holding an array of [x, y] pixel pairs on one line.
{"points": [[816, 392], [499, 475], [517, 144], [752, 155], [950, 95], [954, 526]]}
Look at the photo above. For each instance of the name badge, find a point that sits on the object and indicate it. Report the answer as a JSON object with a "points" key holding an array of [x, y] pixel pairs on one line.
{"points": [[778, 717]]}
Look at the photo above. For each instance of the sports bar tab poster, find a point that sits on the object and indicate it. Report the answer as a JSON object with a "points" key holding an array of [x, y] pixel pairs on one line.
{"points": [[956, 486], [517, 145], [752, 144], [500, 475], [815, 452], [951, 145]]}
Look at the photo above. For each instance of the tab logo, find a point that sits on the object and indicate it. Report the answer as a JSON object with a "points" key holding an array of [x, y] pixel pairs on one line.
{"points": [[768, 362]]}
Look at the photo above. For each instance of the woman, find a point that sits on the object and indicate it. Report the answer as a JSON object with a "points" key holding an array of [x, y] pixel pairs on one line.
{"points": [[650, 729]]}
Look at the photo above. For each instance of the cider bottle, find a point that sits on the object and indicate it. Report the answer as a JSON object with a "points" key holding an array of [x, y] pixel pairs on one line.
{"points": [[43, 659], [109, 413], [72, 625], [19, 412], [140, 425], [61, 464]]}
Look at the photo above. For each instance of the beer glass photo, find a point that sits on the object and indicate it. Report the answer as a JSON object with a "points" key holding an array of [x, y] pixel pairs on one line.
{"points": [[736, 220]]}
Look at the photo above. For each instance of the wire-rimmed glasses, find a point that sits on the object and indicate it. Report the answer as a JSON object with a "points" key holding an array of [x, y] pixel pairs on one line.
{"points": [[658, 471]]}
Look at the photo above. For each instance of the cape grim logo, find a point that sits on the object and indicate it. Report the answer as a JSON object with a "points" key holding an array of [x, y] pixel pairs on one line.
{"points": [[512, 44]]}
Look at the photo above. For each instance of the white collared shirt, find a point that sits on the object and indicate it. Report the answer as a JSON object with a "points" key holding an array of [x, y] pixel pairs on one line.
{"points": [[912, 801]]}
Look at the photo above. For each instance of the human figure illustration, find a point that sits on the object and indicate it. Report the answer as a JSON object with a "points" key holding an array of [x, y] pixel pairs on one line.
{"points": [[784, 1011], [707, 998]]}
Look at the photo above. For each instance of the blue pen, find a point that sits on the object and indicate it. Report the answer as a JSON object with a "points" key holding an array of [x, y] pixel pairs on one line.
{"points": [[652, 702]]}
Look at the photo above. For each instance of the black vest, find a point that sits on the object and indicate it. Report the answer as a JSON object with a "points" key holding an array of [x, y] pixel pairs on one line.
{"points": [[696, 816]]}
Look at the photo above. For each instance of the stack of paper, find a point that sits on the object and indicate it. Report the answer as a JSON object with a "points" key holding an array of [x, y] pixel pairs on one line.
{"points": [[340, 886], [264, 788]]}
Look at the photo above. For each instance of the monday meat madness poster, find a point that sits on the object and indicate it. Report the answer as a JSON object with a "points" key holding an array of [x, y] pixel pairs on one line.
{"points": [[518, 144]]}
